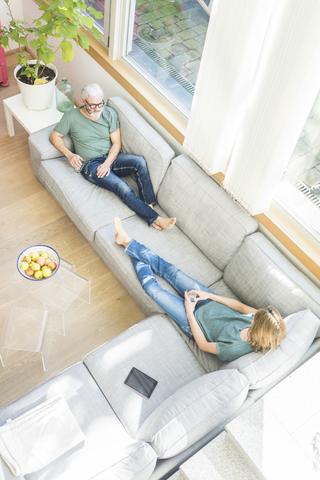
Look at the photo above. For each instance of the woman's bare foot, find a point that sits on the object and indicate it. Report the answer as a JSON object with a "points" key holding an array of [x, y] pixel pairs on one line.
{"points": [[165, 223], [121, 236]]}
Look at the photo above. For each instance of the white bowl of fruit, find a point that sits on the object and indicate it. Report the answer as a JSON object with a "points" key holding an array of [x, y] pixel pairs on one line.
{"points": [[38, 262]]}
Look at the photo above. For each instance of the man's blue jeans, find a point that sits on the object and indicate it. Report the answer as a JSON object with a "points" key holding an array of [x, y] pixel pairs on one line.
{"points": [[146, 263], [126, 164]]}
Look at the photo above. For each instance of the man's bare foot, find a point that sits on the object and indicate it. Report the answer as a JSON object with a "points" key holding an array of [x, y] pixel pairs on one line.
{"points": [[122, 238], [154, 225], [165, 223]]}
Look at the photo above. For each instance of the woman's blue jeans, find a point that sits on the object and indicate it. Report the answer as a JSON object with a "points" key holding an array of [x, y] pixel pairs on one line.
{"points": [[126, 164], [146, 263]]}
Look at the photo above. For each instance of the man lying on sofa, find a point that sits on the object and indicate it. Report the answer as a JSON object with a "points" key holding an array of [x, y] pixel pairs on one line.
{"points": [[95, 131]]}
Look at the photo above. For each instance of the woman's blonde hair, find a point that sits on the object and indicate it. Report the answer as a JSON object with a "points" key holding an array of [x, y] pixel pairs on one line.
{"points": [[268, 330]]}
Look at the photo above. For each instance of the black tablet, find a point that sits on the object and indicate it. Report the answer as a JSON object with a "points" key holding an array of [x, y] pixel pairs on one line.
{"points": [[141, 382]]}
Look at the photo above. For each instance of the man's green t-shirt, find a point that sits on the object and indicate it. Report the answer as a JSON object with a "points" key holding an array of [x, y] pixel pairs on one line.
{"points": [[91, 138], [222, 325]]}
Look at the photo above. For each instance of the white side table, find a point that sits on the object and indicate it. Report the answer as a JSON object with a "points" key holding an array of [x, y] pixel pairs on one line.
{"points": [[31, 120]]}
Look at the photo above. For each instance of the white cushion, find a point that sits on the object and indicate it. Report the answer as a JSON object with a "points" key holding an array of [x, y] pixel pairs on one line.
{"points": [[262, 369], [193, 411]]}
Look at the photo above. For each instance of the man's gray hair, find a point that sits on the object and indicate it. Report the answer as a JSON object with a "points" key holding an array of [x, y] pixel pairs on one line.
{"points": [[91, 89]]}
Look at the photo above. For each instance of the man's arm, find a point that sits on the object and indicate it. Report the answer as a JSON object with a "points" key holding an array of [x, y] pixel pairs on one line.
{"points": [[104, 168], [57, 141], [197, 333], [229, 302]]}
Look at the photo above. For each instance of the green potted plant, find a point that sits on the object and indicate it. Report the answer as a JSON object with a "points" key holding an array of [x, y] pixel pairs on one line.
{"points": [[65, 20]]}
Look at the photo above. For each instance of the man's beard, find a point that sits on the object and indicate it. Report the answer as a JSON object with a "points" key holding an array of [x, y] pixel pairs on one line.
{"points": [[93, 113]]}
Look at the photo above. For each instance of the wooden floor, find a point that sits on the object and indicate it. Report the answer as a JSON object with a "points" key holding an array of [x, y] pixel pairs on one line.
{"points": [[29, 216]]}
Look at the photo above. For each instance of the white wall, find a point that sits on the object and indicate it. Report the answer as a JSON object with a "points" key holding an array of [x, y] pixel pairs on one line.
{"points": [[17, 11]]}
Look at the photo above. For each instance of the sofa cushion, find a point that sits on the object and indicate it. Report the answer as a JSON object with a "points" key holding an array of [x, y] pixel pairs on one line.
{"points": [[263, 369], [260, 276], [154, 347], [194, 410], [205, 213], [139, 138], [173, 245], [89, 206], [107, 447]]}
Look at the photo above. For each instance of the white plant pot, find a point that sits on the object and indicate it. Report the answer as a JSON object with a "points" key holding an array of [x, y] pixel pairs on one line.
{"points": [[37, 97]]}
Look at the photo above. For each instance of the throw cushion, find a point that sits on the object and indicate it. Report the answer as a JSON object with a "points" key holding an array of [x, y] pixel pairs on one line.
{"points": [[193, 411], [262, 369]]}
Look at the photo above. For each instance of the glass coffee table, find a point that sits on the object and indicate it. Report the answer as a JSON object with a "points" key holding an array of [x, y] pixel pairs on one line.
{"points": [[33, 311]]}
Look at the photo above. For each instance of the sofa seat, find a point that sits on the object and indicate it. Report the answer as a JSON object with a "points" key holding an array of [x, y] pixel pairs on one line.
{"points": [[88, 206], [173, 245], [108, 451], [153, 346]]}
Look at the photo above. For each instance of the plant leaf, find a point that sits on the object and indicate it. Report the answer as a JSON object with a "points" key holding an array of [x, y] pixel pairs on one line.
{"points": [[67, 51], [96, 33], [84, 41], [87, 21], [95, 13]]}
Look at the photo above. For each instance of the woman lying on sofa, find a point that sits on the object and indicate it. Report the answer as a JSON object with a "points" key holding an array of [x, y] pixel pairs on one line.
{"points": [[219, 325]]}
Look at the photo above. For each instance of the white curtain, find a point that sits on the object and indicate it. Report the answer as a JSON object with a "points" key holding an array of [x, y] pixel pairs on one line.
{"points": [[233, 44], [285, 88]]}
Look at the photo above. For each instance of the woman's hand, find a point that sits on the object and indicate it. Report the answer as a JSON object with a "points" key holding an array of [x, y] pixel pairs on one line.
{"points": [[188, 304], [201, 295]]}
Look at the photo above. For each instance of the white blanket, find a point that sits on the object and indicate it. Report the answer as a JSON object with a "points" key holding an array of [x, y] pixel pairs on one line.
{"points": [[39, 436]]}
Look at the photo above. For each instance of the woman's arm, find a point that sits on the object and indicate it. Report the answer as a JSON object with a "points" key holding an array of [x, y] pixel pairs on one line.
{"points": [[229, 302], [197, 333]]}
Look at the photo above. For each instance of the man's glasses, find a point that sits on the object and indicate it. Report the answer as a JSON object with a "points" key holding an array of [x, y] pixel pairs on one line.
{"points": [[94, 105]]}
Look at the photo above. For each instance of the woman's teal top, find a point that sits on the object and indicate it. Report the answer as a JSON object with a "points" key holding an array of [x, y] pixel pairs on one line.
{"points": [[222, 325]]}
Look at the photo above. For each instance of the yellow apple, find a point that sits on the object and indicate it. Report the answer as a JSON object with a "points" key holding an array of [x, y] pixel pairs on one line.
{"points": [[35, 266], [34, 256], [26, 258], [46, 272], [24, 265], [44, 254], [38, 275]]}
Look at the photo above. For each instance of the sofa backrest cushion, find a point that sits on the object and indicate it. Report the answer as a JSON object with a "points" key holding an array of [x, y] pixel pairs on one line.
{"points": [[139, 138], [205, 213], [263, 369], [193, 411], [259, 275]]}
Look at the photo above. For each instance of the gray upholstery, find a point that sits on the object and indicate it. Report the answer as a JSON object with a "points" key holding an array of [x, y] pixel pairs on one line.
{"points": [[89, 206], [191, 412], [205, 213], [107, 448], [260, 276], [153, 346], [139, 138]]}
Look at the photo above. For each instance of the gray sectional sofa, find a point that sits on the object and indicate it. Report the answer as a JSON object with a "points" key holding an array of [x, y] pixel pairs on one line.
{"points": [[214, 241]]}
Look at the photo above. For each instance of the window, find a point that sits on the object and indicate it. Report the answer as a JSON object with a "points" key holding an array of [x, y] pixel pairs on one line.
{"points": [[299, 190], [165, 43], [102, 24]]}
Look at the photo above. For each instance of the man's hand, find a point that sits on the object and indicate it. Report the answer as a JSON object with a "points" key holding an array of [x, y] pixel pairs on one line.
{"points": [[103, 170], [75, 160]]}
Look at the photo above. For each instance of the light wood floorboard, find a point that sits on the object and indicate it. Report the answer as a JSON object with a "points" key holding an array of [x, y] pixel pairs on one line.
{"points": [[29, 215]]}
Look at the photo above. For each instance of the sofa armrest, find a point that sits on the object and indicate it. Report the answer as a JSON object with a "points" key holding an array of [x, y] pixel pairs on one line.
{"points": [[42, 149], [139, 138]]}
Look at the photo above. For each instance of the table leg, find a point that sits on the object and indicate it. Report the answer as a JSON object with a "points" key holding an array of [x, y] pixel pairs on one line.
{"points": [[9, 121]]}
